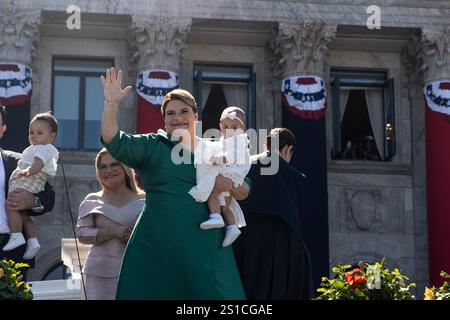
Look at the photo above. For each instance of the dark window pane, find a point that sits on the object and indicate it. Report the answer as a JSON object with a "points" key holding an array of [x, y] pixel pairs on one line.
{"points": [[359, 114], [357, 138], [213, 107], [219, 86]]}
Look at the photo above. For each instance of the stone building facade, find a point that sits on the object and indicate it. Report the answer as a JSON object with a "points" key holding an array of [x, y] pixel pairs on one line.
{"points": [[376, 208]]}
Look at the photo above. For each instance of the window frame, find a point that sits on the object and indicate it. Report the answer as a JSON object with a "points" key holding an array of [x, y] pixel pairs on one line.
{"points": [[82, 75], [352, 78], [200, 76]]}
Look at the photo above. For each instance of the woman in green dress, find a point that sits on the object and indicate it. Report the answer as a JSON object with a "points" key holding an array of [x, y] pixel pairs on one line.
{"points": [[168, 256]]}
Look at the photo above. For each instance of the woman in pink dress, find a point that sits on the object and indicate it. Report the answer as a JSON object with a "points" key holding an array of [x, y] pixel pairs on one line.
{"points": [[106, 220]]}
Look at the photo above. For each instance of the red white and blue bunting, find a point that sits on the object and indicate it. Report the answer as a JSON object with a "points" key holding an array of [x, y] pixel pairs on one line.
{"points": [[152, 85], [15, 84], [437, 96], [305, 96]]}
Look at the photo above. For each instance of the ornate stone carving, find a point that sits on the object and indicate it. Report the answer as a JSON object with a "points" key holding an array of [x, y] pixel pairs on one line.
{"points": [[158, 42], [435, 54], [19, 35], [412, 60], [301, 48], [364, 210]]}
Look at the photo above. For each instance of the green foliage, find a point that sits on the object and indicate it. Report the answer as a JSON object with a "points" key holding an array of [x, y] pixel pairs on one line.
{"points": [[11, 285], [366, 282], [440, 293]]}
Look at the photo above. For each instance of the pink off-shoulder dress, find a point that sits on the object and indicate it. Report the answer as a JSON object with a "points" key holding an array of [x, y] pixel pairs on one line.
{"points": [[104, 259]]}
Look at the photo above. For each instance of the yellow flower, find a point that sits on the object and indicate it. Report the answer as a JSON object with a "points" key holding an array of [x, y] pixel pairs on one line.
{"points": [[2, 273], [429, 295]]}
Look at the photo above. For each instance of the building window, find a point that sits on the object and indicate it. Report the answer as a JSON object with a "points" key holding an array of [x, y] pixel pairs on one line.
{"points": [[57, 272], [77, 100], [219, 86], [363, 115]]}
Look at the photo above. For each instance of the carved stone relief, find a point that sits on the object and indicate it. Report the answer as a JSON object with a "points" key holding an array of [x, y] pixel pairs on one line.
{"points": [[412, 61], [19, 34], [364, 210], [435, 54], [301, 48], [158, 42]]}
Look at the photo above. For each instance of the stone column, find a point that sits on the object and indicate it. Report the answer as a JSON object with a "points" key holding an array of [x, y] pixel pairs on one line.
{"points": [[300, 57], [156, 46], [415, 201], [435, 59], [18, 47]]}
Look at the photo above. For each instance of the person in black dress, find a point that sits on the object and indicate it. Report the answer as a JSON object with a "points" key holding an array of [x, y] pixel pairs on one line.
{"points": [[272, 259]]}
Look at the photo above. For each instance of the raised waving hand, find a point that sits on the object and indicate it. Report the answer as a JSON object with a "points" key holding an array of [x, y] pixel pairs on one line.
{"points": [[112, 87]]}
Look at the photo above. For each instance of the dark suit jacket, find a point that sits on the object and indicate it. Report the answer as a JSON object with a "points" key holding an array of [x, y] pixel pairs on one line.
{"points": [[47, 198], [271, 256]]}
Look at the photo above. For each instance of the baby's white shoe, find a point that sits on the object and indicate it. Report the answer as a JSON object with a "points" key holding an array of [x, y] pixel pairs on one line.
{"points": [[212, 223], [33, 247], [231, 235], [15, 240]]}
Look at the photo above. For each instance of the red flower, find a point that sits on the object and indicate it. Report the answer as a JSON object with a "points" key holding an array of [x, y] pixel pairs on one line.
{"points": [[355, 277]]}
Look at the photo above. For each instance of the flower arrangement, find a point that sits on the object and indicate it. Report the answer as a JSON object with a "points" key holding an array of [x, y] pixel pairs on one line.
{"points": [[11, 285], [365, 282], [440, 293]]}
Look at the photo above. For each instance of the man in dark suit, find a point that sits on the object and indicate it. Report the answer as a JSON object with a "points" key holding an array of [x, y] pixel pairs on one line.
{"points": [[271, 256], [18, 200]]}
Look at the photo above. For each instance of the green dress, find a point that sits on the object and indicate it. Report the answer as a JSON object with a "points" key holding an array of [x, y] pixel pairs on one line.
{"points": [[168, 255]]}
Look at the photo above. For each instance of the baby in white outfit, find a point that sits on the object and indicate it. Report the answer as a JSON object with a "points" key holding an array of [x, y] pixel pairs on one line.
{"points": [[39, 161], [230, 157]]}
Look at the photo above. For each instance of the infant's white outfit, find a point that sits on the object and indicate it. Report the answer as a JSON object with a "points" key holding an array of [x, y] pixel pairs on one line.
{"points": [[237, 153]]}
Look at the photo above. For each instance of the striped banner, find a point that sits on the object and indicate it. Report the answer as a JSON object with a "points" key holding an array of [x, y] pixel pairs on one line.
{"points": [[151, 87], [437, 96], [304, 96], [15, 84]]}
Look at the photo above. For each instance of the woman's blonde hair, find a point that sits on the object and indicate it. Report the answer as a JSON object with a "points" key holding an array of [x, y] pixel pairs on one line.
{"points": [[130, 180], [179, 94]]}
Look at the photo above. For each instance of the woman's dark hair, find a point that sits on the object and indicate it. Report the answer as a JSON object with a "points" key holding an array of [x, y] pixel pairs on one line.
{"points": [[49, 118], [3, 113], [285, 136]]}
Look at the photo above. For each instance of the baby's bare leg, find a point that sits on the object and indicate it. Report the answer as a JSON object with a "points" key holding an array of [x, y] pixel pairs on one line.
{"points": [[15, 220], [29, 226], [227, 214], [213, 203], [33, 245]]}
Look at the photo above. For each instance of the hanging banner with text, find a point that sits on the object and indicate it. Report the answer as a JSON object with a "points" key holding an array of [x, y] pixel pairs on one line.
{"points": [[437, 96], [304, 107], [304, 96], [437, 144], [15, 95], [151, 87], [15, 84]]}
